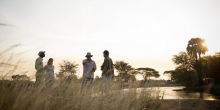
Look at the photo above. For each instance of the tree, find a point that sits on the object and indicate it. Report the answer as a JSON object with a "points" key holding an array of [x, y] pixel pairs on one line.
{"points": [[68, 70], [183, 60], [125, 71], [183, 76], [147, 73], [196, 47], [211, 67], [20, 77], [184, 72]]}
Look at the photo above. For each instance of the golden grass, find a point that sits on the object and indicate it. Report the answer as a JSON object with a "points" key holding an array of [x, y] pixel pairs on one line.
{"points": [[23, 95], [67, 95]]}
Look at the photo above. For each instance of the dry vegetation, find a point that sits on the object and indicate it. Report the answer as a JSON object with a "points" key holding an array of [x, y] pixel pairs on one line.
{"points": [[23, 95], [67, 95]]}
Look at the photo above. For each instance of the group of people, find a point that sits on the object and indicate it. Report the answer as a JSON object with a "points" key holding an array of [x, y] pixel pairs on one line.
{"points": [[46, 73]]}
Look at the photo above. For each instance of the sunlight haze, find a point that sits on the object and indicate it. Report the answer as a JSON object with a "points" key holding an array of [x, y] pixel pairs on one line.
{"points": [[144, 33]]}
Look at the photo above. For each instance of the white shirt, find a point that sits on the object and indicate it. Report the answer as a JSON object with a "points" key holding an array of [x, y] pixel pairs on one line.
{"points": [[49, 72], [88, 68], [39, 63]]}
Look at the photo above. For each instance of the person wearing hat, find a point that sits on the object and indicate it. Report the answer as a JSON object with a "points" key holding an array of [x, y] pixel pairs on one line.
{"points": [[89, 67], [39, 67]]}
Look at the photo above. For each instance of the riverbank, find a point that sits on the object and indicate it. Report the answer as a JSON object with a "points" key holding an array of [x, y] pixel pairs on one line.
{"points": [[212, 89], [189, 104], [23, 95]]}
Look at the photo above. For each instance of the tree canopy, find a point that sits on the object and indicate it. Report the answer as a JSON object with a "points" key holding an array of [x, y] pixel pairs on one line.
{"points": [[20, 77], [68, 70], [211, 66], [125, 71], [196, 47], [189, 69], [183, 60], [147, 73]]}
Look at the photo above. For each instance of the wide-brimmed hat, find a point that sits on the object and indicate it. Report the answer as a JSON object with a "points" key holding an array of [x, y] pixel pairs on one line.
{"points": [[88, 54], [41, 53]]}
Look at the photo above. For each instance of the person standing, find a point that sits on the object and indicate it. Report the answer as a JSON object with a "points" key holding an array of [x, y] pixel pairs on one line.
{"points": [[39, 68], [107, 67], [89, 67], [49, 69]]}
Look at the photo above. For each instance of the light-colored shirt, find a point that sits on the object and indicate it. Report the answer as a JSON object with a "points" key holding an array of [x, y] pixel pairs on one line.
{"points": [[39, 63], [89, 68], [49, 72]]}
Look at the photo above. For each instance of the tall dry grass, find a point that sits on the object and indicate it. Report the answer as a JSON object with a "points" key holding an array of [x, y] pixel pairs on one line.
{"points": [[8, 63], [24, 95], [68, 95]]}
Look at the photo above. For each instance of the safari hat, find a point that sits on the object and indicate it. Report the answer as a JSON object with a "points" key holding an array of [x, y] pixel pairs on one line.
{"points": [[41, 53], [88, 54]]}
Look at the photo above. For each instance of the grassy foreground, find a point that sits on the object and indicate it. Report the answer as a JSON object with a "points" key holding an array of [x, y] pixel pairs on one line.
{"points": [[24, 95]]}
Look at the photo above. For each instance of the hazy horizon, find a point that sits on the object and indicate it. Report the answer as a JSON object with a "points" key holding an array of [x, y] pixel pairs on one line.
{"points": [[144, 33]]}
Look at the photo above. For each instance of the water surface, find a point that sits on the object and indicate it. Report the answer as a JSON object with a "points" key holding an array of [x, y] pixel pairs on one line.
{"points": [[177, 93]]}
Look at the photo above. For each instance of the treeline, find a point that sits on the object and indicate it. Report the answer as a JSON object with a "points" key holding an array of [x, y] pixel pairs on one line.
{"points": [[125, 72], [194, 68]]}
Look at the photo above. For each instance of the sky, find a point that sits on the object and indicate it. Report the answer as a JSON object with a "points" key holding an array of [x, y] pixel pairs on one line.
{"points": [[144, 33]]}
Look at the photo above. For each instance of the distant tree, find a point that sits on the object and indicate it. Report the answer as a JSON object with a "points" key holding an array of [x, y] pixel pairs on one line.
{"points": [[68, 70], [183, 76], [195, 48], [183, 60], [20, 77], [125, 71], [147, 73], [132, 78], [212, 66], [184, 72]]}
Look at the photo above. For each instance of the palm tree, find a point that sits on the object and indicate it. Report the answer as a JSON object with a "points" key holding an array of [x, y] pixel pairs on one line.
{"points": [[124, 70], [195, 48]]}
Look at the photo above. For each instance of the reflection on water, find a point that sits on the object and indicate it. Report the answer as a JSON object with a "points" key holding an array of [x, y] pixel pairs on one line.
{"points": [[174, 93]]}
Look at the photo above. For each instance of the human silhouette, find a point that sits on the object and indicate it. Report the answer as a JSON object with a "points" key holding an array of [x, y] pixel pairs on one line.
{"points": [[89, 67], [107, 67], [39, 68], [49, 69]]}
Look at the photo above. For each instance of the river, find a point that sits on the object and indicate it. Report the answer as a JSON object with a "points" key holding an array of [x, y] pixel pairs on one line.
{"points": [[177, 93]]}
